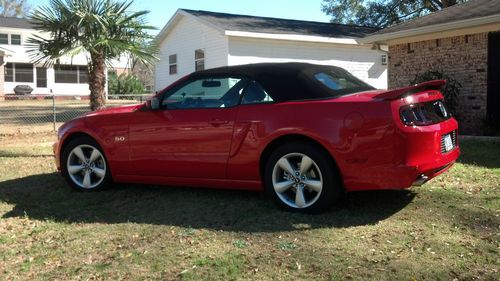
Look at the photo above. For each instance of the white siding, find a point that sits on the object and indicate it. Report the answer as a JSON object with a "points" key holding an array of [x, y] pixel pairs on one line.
{"points": [[361, 61], [186, 37], [19, 54], [60, 89]]}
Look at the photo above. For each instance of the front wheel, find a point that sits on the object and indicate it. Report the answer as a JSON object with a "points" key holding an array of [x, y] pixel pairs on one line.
{"points": [[300, 177], [84, 165]]}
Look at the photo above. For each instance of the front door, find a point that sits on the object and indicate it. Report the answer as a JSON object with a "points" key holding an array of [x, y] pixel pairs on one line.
{"points": [[190, 136], [493, 102]]}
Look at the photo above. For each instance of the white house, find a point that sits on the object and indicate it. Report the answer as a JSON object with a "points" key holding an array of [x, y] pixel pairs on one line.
{"points": [[197, 40], [68, 78]]}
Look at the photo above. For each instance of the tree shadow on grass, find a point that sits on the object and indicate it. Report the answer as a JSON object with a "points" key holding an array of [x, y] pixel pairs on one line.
{"points": [[480, 153], [47, 197]]}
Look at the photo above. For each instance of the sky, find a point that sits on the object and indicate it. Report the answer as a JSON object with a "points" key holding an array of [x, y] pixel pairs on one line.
{"points": [[162, 10]]}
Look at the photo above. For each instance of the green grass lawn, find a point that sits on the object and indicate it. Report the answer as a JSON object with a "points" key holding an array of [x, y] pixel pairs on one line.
{"points": [[447, 229]]}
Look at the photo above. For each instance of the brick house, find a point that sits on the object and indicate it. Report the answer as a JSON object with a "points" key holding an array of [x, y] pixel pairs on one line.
{"points": [[464, 42]]}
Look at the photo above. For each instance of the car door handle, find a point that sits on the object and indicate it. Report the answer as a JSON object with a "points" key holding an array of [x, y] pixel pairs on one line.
{"points": [[217, 122]]}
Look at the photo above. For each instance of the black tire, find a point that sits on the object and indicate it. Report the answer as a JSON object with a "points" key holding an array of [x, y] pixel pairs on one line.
{"points": [[77, 179], [322, 170]]}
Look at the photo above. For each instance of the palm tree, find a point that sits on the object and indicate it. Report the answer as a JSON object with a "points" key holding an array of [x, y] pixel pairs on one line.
{"points": [[102, 29]]}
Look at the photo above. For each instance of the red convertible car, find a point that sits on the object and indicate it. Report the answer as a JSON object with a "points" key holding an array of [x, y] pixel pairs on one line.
{"points": [[304, 133]]}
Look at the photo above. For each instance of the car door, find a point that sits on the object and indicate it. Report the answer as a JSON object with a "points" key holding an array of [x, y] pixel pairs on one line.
{"points": [[190, 135]]}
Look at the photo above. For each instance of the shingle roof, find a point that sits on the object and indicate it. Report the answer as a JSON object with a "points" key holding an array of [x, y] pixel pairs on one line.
{"points": [[234, 22], [469, 10], [15, 22]]}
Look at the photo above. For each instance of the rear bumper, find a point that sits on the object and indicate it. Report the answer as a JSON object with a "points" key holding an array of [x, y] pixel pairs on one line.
{"points": [[407, 156], [424, 156]]}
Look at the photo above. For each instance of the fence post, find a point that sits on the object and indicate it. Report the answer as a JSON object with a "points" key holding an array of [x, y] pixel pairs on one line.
{"points": [[53, 109]]}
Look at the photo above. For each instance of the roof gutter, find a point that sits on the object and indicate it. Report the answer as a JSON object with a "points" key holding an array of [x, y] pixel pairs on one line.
{"points": [[383, 38]]}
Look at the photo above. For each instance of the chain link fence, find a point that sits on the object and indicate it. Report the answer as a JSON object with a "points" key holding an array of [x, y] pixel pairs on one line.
{"points": [[32, 114]]}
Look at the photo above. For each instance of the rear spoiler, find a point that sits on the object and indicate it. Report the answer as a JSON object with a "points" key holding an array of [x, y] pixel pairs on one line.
{"points": [[406, 91]]}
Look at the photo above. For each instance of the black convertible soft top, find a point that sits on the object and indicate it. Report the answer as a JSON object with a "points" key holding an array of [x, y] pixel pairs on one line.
{"points": [[289, 81]]}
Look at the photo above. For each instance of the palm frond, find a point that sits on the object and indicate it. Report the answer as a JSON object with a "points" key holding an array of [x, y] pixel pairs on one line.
{"points": [[94, 26]]}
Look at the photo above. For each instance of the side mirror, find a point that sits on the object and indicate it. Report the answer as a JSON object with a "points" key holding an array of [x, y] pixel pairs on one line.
{"points": [[155, 103]]}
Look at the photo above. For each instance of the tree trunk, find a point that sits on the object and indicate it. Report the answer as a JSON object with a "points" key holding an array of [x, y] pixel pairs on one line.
{"points": [[97, 81]]}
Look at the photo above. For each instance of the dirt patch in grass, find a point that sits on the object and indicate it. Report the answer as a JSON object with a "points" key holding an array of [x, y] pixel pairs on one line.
{"points": [[447, 229]]}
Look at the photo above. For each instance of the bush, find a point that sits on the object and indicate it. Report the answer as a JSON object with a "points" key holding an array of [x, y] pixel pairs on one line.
{"points": [[450, 91], [125, 84]]}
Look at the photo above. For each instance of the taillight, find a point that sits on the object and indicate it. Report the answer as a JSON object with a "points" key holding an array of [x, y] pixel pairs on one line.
{"points": [[424, 114]]}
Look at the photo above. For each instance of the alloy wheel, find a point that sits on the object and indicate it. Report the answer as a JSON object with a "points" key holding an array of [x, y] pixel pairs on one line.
{"points": [[86, 166], [297, 180]]}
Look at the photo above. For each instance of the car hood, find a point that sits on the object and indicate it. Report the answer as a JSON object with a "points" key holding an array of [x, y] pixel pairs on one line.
{"points": [[116, 110]]}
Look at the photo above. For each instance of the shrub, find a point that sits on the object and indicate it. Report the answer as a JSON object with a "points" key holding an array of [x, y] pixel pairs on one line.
{"points": [[450, 91], [125, 84]]}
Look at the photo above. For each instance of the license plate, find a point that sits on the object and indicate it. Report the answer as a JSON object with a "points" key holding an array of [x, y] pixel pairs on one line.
{"points": [[448, 143]]}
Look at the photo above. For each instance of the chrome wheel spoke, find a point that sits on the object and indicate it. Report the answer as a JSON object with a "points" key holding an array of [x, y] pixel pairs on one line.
{"points": [[314, 185], [87, 173], [79, 153], [99, 172], [75, 169], [86, 180], [283, 186], [297, 180], [95, 154], [305, 164], [285, 165], [300, 201]]}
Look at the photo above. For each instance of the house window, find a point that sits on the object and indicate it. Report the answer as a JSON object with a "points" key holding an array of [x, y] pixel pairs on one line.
{"points": [[19, 72], [199, 60], [83, 74], [410, 48], [9, 72], [66, 74], [384, 59], [24, 72], [75, 74], [15, 39], [4, 38], [149, 89], [41, 77], [172, 62]]}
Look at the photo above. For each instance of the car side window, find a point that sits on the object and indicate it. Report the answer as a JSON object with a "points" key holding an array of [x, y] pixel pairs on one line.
{"points": [[336, 82], [206, 93], [254, 93]]}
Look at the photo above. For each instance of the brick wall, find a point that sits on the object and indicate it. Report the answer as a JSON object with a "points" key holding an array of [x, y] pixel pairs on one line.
{"points": [[464, 57]]}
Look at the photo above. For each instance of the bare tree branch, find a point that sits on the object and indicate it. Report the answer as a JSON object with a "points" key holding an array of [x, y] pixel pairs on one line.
{"points": [[381, 13]]}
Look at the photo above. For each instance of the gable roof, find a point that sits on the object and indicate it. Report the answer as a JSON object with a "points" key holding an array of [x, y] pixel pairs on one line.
{"points": [[15, 23], [272, 28], [471, 13], [234, 22]]}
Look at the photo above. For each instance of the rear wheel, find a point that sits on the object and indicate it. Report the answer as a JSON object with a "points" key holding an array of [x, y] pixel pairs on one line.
{"points": [[300, 177], [84, 165]]}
